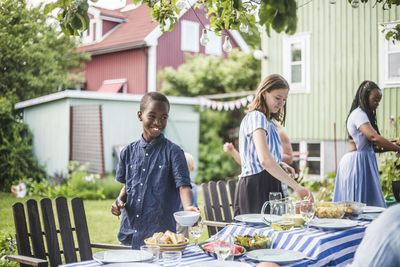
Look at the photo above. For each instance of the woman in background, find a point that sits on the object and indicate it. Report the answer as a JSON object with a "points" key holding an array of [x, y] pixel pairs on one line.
{"points": [[357, 177]]}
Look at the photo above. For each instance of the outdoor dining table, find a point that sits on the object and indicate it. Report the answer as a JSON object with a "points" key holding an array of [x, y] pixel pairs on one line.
{"points": [[323, 248]]}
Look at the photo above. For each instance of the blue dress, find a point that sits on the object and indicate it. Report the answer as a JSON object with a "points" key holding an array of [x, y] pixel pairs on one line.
{"points": [[357, 177]]}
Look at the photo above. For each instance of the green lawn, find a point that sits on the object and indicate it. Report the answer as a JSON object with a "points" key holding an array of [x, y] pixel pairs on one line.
{"points": [[103, 226]]}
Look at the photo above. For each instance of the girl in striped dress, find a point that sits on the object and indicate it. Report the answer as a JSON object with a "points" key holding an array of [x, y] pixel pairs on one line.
{"points": [[260, 148]]}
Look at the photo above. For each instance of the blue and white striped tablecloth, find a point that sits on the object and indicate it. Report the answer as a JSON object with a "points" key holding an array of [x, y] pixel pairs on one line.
{"points": [[330, 248]]}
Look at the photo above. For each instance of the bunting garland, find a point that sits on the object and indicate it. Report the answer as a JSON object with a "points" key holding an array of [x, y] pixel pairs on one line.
{"points": [[225, 105]]}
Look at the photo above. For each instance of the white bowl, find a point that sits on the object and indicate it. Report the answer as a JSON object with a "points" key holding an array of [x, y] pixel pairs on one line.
{"points": [[186, 218]]}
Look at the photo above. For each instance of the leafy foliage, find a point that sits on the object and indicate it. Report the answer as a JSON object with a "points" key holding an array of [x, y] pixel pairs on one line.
{"points": [[34, 59], [205, 75], [8, 246], [16, 157], [78, 183], [389, 170], [280, 15]]}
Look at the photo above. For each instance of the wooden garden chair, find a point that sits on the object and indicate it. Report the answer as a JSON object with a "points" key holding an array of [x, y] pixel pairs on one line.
{"points": [[31, 247], [218, 204]]}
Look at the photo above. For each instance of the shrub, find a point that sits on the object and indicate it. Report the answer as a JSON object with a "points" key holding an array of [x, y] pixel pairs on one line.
{"points": [[8, 246], [16, 156], [389, 170]]}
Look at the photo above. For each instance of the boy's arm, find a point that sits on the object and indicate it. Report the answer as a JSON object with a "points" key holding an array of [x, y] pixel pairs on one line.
{"points": [[186, 195], [118, 205]]}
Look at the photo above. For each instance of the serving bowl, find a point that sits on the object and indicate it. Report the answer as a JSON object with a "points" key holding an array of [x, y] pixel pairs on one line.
{"points": [[186, 218], [333, 210], [169, 247], [353, 208], [208, 248], [251, 242]]}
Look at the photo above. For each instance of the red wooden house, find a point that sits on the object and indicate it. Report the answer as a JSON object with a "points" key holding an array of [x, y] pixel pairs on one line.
{"points": [[128, 48]]}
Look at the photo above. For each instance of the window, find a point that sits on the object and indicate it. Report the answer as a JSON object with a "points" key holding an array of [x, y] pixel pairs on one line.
{"points": [[214, 47], [389, 59], [307, 154], [296, 62], [189, 36]]}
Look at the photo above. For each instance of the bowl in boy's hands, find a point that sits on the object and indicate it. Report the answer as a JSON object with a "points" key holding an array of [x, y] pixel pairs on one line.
{"points": [[186, 218]]}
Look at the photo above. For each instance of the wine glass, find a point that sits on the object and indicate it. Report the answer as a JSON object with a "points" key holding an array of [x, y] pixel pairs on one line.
{"points": [[307, 212], [223, 248], [196, 231]]}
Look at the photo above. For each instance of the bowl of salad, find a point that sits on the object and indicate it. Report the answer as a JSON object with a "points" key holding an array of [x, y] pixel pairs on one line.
{"points": [[252, 242]]}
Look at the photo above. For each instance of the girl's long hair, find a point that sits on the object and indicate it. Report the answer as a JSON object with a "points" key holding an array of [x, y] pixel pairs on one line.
{"points": [[362, 100], [269, 84]]}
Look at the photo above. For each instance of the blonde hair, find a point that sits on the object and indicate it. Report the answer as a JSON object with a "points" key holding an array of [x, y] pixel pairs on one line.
{"points": [[189, 161], [269, 84]]}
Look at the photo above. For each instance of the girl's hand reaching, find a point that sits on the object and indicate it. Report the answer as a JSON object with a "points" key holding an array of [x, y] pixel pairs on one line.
{"points": [[304, 193]]}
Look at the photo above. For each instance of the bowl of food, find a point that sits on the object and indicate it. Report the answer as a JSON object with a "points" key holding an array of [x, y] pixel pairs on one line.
{"points": [[186, 218], [333, 210], [353, 209], [168, 241], [208, 248], [251, 242]]}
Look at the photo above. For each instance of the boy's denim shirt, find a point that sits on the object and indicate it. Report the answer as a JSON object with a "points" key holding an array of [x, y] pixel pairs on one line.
{"points": [[152, 172]]}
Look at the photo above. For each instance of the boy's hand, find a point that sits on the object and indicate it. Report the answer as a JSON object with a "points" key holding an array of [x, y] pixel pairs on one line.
{"points": [[117, 207], [288, 169], [193, 208]]}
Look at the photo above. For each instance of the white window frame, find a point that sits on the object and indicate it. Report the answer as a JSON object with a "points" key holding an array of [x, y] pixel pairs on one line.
{"points": [[384, 80], [304, 40], [214, 47], [304, 158], [190, 45]]}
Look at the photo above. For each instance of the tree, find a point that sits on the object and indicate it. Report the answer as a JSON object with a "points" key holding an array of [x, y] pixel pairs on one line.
{"points": [[34, 59], [280, 15], [205, 75]]}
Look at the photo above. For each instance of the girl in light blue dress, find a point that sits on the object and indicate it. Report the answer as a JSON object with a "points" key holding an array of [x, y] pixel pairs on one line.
{"points": [[357, 177]]}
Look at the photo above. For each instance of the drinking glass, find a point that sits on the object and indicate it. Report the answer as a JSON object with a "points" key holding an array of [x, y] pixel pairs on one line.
{"points": [[153, 249], [223, 248], [196, 231], [307, 212], [172, 258], [273, 196]]}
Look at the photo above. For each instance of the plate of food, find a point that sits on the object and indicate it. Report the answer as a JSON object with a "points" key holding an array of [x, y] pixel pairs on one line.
{"points": [[251, 218], [208, 248], [122, 255], [251, 242], [281, 256], [333, 224], [168, 241]]}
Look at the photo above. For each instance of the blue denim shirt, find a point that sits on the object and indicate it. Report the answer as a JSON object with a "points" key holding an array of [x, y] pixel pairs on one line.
{"points": [[153, 173]]}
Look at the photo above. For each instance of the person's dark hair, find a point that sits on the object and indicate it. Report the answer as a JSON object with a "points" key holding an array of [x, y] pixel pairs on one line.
{"points": [[362, 100], [153, 96], [269, 84]]}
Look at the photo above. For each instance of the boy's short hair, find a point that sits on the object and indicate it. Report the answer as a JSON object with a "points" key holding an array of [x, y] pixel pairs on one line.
{"points": [[190, 161], [153, 96]]}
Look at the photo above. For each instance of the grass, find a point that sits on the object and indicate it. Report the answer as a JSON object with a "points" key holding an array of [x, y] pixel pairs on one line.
{"points": [[103, 226]]}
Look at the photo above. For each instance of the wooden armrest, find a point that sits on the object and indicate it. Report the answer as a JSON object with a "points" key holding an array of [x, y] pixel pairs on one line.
{"points": [[28, 260], [214, 223], [109, 246]]}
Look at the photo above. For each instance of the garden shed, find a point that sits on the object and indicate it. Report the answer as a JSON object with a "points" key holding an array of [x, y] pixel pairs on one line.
{"points": [[92, 127]]}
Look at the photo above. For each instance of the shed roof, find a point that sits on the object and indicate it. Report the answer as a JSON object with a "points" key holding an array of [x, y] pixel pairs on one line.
{"points": [[100, 96]]}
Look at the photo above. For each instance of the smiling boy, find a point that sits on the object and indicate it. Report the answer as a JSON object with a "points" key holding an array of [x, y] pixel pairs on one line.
{"points": [[155, 177]]}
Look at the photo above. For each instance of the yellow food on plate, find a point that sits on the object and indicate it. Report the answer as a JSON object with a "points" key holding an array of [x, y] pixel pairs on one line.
{"points": [[296, 218], [166, 238], [329, 210]]}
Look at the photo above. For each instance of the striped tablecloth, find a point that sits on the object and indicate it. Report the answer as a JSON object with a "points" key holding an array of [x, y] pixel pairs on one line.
{"points": [[330, 248]]}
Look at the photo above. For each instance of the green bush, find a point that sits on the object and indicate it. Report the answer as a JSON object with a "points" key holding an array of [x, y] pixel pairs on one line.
{"points": [[111, 188], [16, 157], [323, 191], [389, 170], [78, 183], [8, 246]]}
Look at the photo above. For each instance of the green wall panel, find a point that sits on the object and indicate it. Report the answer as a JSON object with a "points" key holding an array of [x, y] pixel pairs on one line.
{"points": [[344, 47]]}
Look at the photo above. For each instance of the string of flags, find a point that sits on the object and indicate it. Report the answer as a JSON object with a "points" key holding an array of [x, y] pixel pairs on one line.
{"points": [[226, 105]]}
